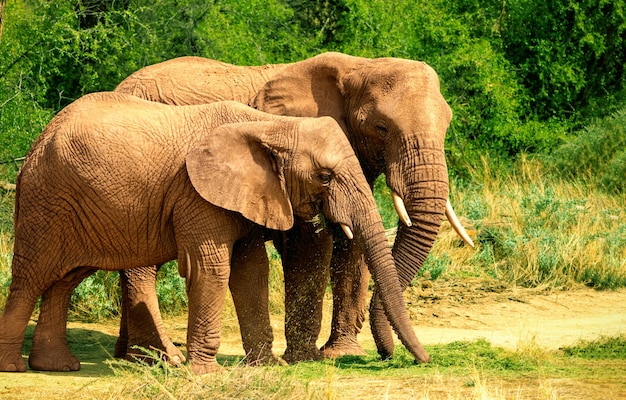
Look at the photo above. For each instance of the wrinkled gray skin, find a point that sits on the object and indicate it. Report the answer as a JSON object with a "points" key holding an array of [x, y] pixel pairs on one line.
{"points": [[116, 182], [392, 112]]}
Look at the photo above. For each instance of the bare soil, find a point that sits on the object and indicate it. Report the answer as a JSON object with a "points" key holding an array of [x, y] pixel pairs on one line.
{"points": [[443, 312], [506, 317]]}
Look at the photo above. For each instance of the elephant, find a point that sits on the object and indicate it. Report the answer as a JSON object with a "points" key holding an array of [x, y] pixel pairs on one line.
{"points": [[115, 182], [392, 112]]}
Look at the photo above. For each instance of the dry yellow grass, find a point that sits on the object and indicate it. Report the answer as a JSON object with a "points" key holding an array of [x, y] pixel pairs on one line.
{"points": [[532, 229]]}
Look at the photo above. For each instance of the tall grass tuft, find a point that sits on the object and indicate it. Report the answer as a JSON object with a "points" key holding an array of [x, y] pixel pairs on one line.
{"points": [[162, 381], [534, 229]]}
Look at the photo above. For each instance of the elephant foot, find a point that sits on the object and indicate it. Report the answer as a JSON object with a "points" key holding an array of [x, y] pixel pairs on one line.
{"points": [[342, 346], [385, 355], [53, 358], [294, 354], [120, 347], [263, 357], [168, 352], [11, 359], [210, 367]]}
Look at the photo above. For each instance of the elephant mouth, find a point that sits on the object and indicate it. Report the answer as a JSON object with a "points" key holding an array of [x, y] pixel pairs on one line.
{"points": [[310, 211]]}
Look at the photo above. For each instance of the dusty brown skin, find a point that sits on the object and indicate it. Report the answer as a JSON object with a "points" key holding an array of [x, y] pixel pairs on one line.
{"points": [[116, 182], [394, 116]]}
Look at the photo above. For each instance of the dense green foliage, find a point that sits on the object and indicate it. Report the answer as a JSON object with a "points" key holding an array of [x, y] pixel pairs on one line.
{"points": [[519, 75]]}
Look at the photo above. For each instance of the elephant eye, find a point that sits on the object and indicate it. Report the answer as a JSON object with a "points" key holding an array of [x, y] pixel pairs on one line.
{"points": [[325, 177], [381, 129]]}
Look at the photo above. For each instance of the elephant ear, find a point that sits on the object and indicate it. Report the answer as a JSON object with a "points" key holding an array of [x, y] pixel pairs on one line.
{"points": [[308, 88], [232, 169]]}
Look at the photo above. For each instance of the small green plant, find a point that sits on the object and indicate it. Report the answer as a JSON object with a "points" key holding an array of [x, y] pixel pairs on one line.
{"points": [[97, 298], [604, 348], [171, 290]]}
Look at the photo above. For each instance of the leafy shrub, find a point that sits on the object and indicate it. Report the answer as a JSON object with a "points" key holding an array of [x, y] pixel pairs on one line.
{"points": [[171, 290], [569, 54], [597, 154], [97, 297]]}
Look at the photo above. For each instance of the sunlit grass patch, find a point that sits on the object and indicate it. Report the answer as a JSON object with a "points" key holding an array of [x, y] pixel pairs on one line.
{"points": [[459, 370], [605, 348], [533, 229], [162, 381]]}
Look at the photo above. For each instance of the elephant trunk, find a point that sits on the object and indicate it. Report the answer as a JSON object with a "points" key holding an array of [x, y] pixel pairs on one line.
{"points": [[387, 285], [370, 232], [423, 186]]}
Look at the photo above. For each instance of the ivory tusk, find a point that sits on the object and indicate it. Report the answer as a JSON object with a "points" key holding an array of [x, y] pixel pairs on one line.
{"points": [[398, 204], [456, 224], [347, 231]]}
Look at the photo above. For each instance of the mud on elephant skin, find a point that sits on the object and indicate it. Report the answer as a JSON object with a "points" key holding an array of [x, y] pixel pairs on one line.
{"points": [[115, 182], [392, 112]]}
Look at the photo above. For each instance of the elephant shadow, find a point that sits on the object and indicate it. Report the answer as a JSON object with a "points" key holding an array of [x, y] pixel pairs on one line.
{"points": [[91, 346], [94, 348]]}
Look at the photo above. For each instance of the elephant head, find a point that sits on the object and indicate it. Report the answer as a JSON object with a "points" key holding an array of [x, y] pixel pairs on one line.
{"points": [[395, 117], [312, 172]]}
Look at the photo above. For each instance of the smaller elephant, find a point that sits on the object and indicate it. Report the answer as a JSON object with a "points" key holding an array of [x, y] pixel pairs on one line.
{"points": [[115, 182]]}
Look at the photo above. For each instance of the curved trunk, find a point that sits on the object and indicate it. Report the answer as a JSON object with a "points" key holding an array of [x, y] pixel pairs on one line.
{"points": [[381, 265], [411, 248], [423, 185]]}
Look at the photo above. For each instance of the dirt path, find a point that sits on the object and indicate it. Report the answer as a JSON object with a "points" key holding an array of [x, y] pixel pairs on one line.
{"points": [[508, 318]]}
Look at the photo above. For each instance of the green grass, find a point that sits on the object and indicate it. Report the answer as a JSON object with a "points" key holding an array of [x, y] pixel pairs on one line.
{"points": [[604, 348], [459, 370]]}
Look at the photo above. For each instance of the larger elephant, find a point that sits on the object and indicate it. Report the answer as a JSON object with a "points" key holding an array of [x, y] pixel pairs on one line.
{"points": [[116, 182], [392, 112]]}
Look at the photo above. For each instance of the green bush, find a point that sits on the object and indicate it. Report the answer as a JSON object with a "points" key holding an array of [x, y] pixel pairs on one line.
{"points": [[568, 54], [97, 298], [597, 154]]}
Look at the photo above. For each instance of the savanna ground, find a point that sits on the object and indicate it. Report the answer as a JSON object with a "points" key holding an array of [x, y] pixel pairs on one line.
{"points": [[487, 342]]}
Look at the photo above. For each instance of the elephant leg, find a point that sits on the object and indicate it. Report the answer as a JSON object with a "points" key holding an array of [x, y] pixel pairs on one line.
{"points": [[50, 351], [305, 255], [249, 274], [205, 237], [121, 344], [349, 278], [13, 321], [206, 290], [141, 325]]}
